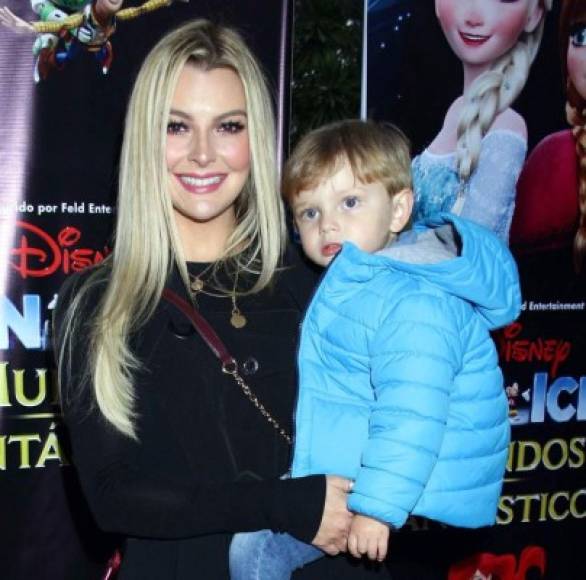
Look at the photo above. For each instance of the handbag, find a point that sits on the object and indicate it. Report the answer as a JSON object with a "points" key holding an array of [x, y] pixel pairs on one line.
{"points": [[228, 362]]}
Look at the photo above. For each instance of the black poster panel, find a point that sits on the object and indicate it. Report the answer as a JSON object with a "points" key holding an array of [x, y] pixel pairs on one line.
{"points": [[411, 78]]}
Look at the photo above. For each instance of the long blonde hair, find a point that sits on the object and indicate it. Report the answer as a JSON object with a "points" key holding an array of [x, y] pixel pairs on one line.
{"points": [[574, 13], [147, 244], [492, 93]]}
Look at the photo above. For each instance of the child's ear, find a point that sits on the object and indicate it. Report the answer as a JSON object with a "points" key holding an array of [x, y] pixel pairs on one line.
{"points": [[402, 207]]}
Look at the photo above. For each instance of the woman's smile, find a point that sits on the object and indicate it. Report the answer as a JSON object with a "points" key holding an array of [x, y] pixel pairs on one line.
{"points": [[198, 184]]}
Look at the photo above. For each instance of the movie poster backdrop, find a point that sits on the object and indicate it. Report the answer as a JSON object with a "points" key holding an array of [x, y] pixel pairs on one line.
{"points": [[59, 144], [411, 77]]}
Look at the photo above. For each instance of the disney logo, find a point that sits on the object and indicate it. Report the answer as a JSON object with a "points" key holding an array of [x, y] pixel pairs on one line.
{"points": [[39, 255], [553, 351]]}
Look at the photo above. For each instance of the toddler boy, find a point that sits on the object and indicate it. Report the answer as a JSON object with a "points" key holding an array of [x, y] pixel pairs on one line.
{"points": [[399, 384]]}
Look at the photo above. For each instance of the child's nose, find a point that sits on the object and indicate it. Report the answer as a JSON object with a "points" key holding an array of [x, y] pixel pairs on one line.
{"points": [[328, 223]]}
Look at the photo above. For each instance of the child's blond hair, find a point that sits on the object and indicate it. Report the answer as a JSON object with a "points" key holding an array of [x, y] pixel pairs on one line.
{"points": [[375, 152]]}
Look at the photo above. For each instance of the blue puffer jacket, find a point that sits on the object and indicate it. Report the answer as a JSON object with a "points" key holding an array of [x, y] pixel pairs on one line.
{"points": [[400, 387]]}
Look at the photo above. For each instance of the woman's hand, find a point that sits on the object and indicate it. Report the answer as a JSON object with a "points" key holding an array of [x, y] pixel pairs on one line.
{"points": [[332, 536]]}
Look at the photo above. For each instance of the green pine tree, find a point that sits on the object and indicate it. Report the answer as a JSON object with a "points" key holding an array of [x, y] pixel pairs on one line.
{"points": [[327, 52]]}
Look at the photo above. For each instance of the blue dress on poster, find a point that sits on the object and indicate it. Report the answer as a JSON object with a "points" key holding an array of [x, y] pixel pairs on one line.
{"points": [[489, 194]]}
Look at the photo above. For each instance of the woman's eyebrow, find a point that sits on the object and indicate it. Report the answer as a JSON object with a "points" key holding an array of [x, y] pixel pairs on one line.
{"points": [[231, 113], [179, 113]]}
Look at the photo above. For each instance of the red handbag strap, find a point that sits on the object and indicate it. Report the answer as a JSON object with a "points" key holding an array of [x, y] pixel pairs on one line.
{"points": [[203, 327], [229, 363]]}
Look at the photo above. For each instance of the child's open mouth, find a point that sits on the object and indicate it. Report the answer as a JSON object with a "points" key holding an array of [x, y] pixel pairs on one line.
{"points": [[331, 249]]}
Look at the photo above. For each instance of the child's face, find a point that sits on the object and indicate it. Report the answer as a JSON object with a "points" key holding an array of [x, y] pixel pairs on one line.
{"points": [[481, 31], [343, 209]]}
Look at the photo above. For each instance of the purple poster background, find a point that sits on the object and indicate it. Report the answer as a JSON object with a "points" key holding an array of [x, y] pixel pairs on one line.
{"points": [[59, 142]]}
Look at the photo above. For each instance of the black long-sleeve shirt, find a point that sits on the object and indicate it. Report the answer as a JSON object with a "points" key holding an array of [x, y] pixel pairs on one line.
{"points": [[206, 463]]}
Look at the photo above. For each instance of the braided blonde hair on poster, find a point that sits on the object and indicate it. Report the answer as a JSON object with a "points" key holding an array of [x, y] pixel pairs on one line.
{"points": [[493, 92]]}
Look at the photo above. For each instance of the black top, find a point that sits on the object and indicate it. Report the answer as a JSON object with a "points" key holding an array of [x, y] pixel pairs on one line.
{"points": [[207, 464]]}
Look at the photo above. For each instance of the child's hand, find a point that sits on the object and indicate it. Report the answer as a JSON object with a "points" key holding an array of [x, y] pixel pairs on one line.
{"points": [[368, 536]]}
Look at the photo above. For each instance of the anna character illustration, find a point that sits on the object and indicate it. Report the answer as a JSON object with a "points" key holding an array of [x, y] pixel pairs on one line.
{"points": [[472, 165], [551, 197]]}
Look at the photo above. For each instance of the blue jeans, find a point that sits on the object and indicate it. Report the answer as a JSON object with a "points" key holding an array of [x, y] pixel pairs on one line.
{"points": [[266, 555]]}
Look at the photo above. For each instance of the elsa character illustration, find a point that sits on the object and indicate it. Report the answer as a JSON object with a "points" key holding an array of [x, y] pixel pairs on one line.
{"points": [[472, 165], [551, 198]]}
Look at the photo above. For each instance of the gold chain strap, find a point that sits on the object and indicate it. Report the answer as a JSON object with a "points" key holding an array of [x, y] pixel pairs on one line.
{"points": [[231, 368]]}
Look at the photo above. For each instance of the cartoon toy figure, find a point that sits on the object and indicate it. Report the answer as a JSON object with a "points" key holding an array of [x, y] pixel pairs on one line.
{"points": [[472, 165], [68, 26], [551, 196]]}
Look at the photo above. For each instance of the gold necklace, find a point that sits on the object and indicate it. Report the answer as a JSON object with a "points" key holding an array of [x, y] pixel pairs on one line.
{"points": [[198, 286]]}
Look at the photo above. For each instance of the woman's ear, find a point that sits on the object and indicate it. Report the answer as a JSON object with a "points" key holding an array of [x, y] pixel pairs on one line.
{"points": [[402, 207], [534, 16]]}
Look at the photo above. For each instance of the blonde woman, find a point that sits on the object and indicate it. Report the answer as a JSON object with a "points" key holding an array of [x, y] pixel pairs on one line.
{"points": [[472, 166], [171, 454]]}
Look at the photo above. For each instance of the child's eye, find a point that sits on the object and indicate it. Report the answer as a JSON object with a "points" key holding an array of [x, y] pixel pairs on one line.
{"points": [[308, 214], [578, 35], [350, 202], [231, 127], [176, 127]]}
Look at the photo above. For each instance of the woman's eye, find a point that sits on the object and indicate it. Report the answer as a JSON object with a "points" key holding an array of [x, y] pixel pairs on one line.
{"points": [[176, 127], [578, 35], [350, 202], [231, 127]]}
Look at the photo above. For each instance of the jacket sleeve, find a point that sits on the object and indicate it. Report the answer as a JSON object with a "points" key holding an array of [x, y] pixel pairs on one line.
{"points": [[129, 503], [414, 357]]}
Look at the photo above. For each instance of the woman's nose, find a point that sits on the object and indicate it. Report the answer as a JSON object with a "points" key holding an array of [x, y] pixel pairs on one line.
{"points": [[202, 149]]}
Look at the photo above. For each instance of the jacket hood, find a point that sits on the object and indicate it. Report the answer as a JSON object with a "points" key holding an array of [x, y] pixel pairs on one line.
{"points": [[460, 257]]}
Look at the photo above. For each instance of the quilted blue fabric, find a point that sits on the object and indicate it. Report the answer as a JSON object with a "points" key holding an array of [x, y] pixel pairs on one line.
{"points": [[400, 387]]}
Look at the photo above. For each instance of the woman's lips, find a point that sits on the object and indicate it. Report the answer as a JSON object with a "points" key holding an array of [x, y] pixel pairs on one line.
{"points": [[201, 183], [473, 39], [330, 249]]}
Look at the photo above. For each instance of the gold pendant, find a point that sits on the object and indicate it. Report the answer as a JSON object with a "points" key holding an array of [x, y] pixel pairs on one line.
{"points": [[196, 285], [237, 320]]}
